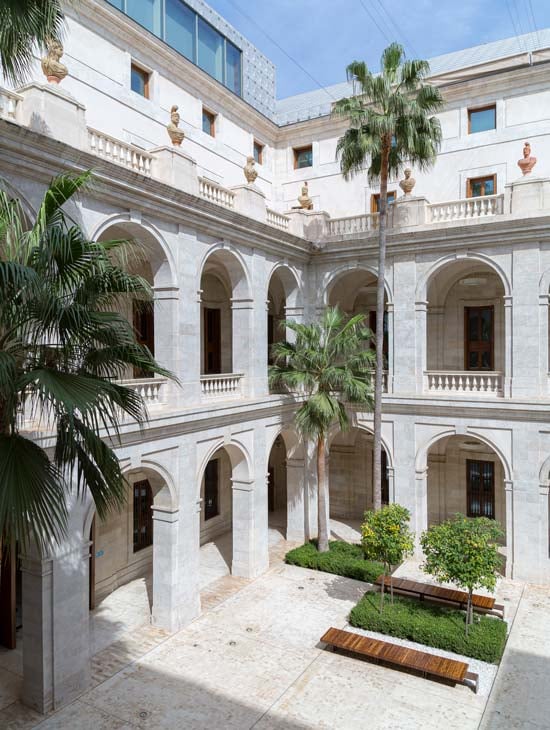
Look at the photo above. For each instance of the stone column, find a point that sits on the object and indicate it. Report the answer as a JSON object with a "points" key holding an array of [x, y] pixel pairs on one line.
{"points": [[389, 310], [508, 369], [544, 534], [311, 490], [166, 340], [56, 641], [421, 344], [295, 497], [249, 558], [165, 569], [242, 315], [544, 365], [420, 517]]}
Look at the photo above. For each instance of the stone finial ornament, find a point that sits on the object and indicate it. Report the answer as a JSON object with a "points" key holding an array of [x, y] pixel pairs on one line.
{"points": [[408, 182], [52, 67], [250, 171], [527, 162], [176, 134], [305, 201]]}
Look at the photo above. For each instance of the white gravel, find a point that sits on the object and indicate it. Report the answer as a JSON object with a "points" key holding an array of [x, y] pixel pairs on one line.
{"points": [[486, 672]]}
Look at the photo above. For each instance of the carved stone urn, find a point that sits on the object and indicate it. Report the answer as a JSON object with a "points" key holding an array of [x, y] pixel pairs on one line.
{"points": [[52, 67], [176, 134], [305, 201], [527, 162], [250, 171], [408, 182]]}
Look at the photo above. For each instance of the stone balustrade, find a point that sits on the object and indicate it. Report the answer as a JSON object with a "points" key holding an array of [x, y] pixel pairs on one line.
{"points": [[216, 193], [8, 104], [465, 382], [224, 385], [121, 153], [152, 390], [453, 210], [277, 219], [353, 224]]}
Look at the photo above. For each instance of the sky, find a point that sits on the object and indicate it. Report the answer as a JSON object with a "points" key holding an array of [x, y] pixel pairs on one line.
{"points": [[323, 36]]}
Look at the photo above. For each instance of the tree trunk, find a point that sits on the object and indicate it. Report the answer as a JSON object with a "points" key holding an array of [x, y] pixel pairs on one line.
{"points": [[391, 583], [380, 308], [469, 612], [322, 497], [382, 589]]}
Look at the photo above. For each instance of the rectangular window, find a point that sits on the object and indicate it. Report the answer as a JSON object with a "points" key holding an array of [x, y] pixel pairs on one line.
{"points": [[375, 200], [479, 338], [482, 119], [258, 153], [147, 13], [233, 72], [211, 490], [143, 515], [480, 488], [303, 157], [144, 327], [139, 81], [212, 341], [479, 186], [179, 29], [208, 123], [210, 50]]}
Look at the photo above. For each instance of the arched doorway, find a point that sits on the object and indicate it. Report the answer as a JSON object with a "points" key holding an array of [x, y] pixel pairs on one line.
{"points": [[225, 318], [283, 302], [287, 491], [466, 344], [465, 476]]}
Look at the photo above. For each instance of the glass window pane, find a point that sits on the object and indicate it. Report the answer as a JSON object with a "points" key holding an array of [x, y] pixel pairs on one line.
{"points": [[486, 324], [138, 81], [482, 120], [232, 68], [472, 361], [489, 186], [473, 325], [117, 3], [477, 188], [208, 123], [180, 28], [210, 55], [304, 158], [146, 13]]}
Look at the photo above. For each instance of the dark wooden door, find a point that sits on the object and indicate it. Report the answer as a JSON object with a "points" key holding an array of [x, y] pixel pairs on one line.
{"points": [[480, 485], [8, 594], [385, 480], [479, 338], [270, 337], [211, 490], [144, 326], [212, 341], [143, 515]]}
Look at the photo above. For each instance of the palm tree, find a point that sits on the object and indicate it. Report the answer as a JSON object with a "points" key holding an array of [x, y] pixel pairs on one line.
{"points": [[24, 24], [390, 126], [331, 364], [63, 346]]}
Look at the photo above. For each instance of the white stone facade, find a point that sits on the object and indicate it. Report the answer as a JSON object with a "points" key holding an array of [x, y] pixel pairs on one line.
{"points": [[212, 244]]}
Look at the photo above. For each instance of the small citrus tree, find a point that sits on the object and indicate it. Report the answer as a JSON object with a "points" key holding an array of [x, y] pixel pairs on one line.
{"points": [[464, 551], [386, 537]]}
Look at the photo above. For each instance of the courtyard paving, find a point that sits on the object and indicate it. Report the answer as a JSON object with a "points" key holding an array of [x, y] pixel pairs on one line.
{"points": [[253, 660]]}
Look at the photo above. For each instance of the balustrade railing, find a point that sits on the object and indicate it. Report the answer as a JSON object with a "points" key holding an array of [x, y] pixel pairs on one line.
{"points": [[355, 224], [152, 390], [8, 104], [452, 210], [224, 385], [277, 219], [469, 383], [216, 193], [122, 153]]}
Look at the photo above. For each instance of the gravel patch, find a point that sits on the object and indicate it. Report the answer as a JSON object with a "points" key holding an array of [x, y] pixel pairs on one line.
{"points": [[487, 672]]}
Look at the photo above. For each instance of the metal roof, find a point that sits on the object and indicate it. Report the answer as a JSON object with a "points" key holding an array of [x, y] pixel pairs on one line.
{"points": [[318, 103]]}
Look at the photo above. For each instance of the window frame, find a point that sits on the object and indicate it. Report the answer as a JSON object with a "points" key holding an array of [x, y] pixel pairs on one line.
{"points": [[137, 516], [211, 119], [484, 108], [134, 66], [467, 341], [482, 493], [375, 198], [481, 178], [258, 145], [296, 152]]}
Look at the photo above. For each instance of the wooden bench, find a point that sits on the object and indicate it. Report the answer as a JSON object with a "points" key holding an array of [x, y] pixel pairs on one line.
{"points": [[394, 655], [481, 604]]}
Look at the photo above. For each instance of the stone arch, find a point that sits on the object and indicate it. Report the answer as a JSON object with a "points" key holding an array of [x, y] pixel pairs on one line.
{"points": [[238, 456], [143, 231], [360, 426], [235, 267], [293, 442], [425, 280], [330, 279], [29, 210], [290, 281]]}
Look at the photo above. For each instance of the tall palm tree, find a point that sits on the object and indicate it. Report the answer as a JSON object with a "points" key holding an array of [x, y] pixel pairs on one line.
{"points": [[391, 125], [330, 363], [25, 23], [63, 346]]}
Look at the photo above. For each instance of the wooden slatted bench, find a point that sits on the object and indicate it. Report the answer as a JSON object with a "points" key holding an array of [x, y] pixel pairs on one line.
{"points": [[451, 670], [481, 604]]}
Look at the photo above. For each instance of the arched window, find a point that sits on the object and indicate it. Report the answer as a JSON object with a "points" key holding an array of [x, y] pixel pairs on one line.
{"points": [[143, 515]]}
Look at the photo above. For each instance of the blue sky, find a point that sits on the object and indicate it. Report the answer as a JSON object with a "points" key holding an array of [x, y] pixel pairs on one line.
{"points": [[325, 35]]}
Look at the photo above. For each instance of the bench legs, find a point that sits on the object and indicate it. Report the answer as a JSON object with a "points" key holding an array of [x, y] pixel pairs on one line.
{"points": [[472, 680]]}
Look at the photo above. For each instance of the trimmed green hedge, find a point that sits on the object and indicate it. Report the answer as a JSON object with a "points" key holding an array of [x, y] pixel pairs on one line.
{"points": [[442, 628], [342, 559]]}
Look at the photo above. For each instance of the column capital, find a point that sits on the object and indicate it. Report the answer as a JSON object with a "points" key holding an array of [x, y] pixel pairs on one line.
{"points": [[243, 485], [421, 306]]}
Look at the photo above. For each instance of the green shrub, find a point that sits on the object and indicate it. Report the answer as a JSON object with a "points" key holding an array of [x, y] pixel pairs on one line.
{"points": [[442, 628], [343, 558]]}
